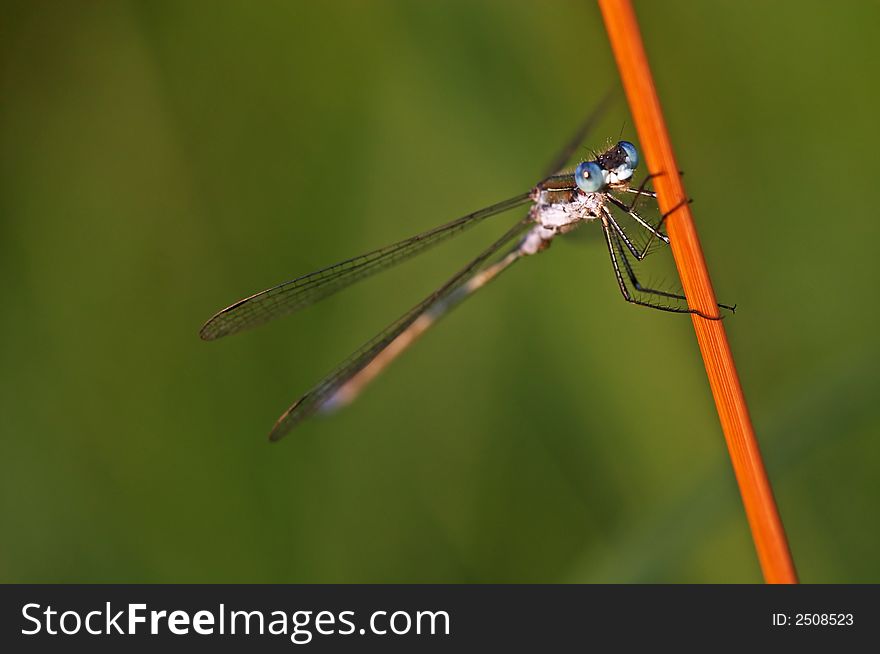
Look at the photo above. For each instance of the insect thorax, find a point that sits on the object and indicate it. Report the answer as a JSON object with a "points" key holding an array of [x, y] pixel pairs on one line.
{"points": [[557, 212]]}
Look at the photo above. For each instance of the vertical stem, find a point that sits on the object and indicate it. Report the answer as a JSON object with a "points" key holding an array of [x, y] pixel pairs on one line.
{"points": [[745, 455]]}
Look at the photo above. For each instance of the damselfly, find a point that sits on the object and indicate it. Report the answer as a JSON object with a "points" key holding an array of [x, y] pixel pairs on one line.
{"points": [[594, 191]]}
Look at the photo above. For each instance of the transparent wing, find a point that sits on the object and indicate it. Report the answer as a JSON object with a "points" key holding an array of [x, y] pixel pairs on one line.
{"points": [[323, 393], [634, 224], [647, 209], [306, 290], [567, 152], [651, 282]]}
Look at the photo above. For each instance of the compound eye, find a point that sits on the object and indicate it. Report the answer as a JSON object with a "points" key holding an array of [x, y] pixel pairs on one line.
{"points": [[589, 176], [632, 155]]}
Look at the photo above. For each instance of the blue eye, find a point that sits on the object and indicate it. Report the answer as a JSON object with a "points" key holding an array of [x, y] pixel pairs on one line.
{"points": [[588, 176], [632, 155]]}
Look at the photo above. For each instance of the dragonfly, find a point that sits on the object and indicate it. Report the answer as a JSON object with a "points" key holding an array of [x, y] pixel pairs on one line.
{"points": [[599, 189]]}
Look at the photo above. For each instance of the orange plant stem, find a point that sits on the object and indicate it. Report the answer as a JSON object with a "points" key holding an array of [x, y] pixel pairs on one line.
{"points": [[748, 466]]}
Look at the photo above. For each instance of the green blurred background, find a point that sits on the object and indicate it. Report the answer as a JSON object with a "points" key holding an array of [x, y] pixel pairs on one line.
{"points": [[162, 159]]}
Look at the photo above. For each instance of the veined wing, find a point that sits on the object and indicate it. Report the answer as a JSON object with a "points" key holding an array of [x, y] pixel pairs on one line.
{"points": [[567, 152], [324, 392], [306, 290]]}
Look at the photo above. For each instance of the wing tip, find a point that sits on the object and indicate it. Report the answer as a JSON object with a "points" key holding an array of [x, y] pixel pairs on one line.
{"points": [[274, 436], [214, 326], [279, 431], [206, 333], [284, 423]]}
